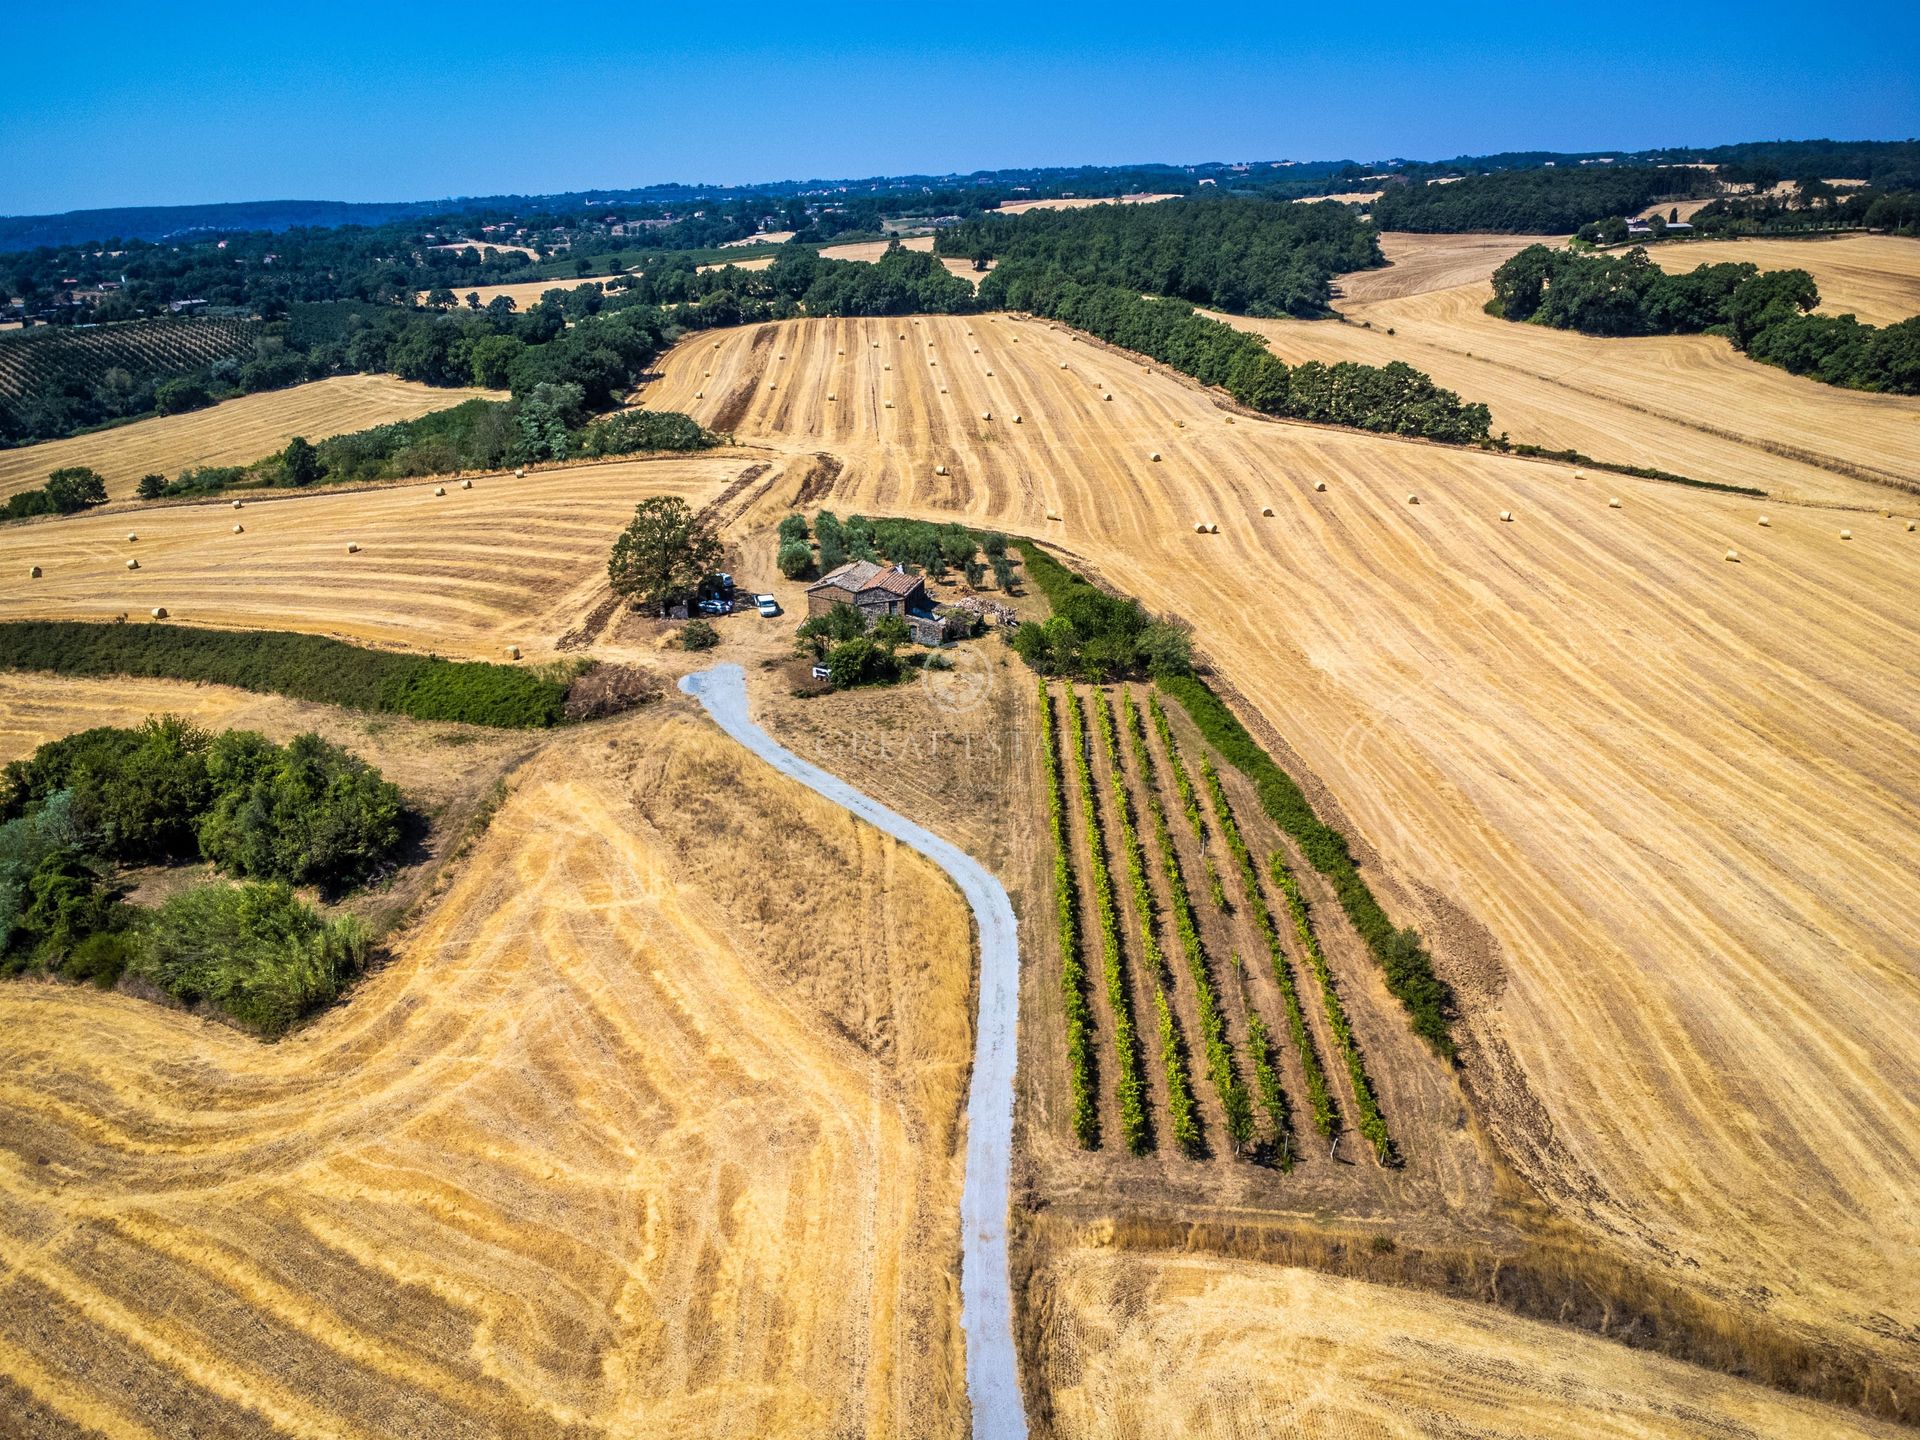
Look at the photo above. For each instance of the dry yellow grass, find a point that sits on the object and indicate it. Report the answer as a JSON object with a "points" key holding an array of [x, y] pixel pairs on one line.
{"points": [[509, 561], [613, 1147], [524, 294], [1345, 197], [481, 246], [1419, 263], [757, 262], [1672, 796], [1686, 403], [1156, 1345], [871, 250], [1876, 277], [233, 432], [1078, 202]]}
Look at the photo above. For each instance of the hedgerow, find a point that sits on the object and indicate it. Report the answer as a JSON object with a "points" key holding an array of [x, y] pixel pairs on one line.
{"points": [[1325, 1119], [1372, 1124], [1132, 1089], [1213, 1026], [1407, 967], [306, 667], [1073, 971]]}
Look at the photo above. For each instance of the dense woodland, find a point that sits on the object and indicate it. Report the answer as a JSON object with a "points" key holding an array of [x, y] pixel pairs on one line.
{"points": [[1766, 314], [83, 810], [1536, 202], [1257, 257]]}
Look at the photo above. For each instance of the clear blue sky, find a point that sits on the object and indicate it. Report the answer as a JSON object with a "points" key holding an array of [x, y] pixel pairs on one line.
{"points": [[129, 105]]}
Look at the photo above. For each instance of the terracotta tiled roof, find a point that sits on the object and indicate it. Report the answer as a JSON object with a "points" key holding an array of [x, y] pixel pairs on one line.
{"points": [[860, 576]]}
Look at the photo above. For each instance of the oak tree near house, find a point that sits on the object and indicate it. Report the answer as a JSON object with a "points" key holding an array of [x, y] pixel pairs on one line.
{"points": [[663, 554]]}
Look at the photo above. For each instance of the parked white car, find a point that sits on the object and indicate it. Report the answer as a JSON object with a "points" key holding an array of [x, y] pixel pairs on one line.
{"points": [[767, 605]]}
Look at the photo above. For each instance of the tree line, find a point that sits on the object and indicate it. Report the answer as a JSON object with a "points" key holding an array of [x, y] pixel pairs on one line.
{"points": [[1540, 201], [1765, 314], [1394, 398]]}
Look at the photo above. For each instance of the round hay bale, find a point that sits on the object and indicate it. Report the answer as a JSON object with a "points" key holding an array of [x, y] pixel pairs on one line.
{"points": [[352, 549], [943, 389], [1613, 502], [1154, 455], [34, 573], [939, 469], [1063, 364], [986, 414], [1846, 534], [1507, 516], [1734, 555], [832, 396], [1319, 484], [1765, 523], [239, 529], [903, 335], [1212, 529], [989, 374], [236, 504], [886, 367], [1053, 514], [698, 395], [520, 472], [1199, 527], [466, 484], [876, 344], [1108, 395], [1229, 419], [1266, 510], [1016, 420], [976, 349], [1579, 474], [513, 652], [1910, 527], [1413, 499], [933, 362], [772, 386], [839, 352], [131, 537], [133, 564], [159, 612], [781, 356], [929, 344], [439, 490], [889, 404]]}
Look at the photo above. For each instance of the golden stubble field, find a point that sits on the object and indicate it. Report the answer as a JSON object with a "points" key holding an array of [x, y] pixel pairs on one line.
{"points": [[615, 1145], [234, 432], [1685, 403], [1876, 277], [1668, 797], [511, 561]]}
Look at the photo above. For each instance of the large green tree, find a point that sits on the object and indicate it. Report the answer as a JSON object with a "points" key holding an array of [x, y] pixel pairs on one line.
{"points": [[663, 554]]}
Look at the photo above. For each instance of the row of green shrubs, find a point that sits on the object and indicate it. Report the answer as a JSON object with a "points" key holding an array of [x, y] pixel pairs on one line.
{"points": [[306, 667], [1325, 1119], [1234, 1102], [1402, 958], [1073, 970], [1132, 1088], [1133, 1083], [1372, 1124]]}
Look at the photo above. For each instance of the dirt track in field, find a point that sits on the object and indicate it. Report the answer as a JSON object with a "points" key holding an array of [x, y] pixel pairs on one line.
{"points": [[563, 1166], [1655, 808], [234, 432]]}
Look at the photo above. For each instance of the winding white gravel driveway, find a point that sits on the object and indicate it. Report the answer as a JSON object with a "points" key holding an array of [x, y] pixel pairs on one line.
{"points": [[986, 1307]]}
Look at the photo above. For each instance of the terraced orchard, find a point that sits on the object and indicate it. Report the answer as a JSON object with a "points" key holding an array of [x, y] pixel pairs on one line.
{"points": [[1251, 1056]]}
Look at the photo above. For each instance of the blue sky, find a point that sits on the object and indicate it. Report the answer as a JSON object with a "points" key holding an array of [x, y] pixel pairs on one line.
{"points": [[123, 105]]}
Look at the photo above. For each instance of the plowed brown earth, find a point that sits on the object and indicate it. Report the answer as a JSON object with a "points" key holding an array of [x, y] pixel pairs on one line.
{"points": [[234, 432], [1654, 808], [615, 1146], [509, 561]]}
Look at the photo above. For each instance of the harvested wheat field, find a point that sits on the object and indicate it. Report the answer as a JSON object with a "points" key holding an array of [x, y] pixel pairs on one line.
{"points": [[1875, 277], [510, 561], [1419, 263], [1078, 202], [1685, 403], [1155, 1345], [1654, 809], [234, 432], [871, 250], [523, 293], [1345, 197], [612, 1147]]}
